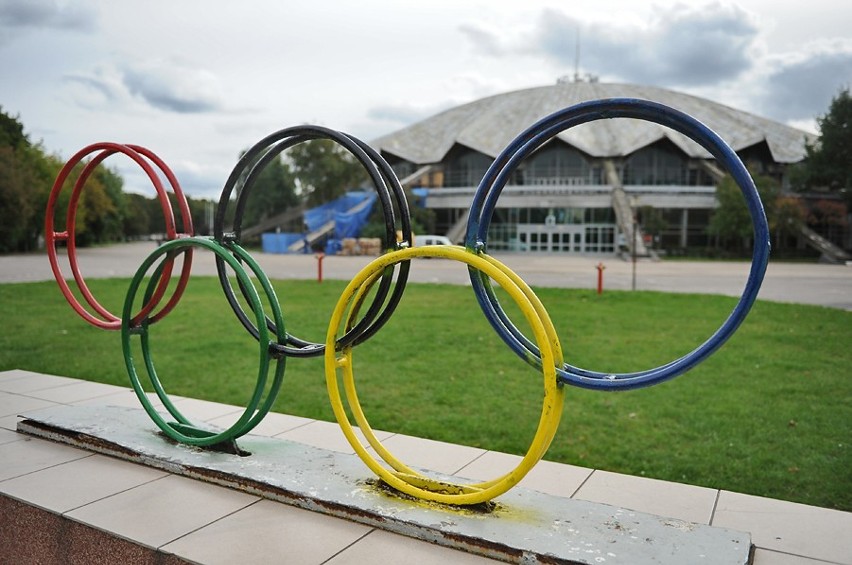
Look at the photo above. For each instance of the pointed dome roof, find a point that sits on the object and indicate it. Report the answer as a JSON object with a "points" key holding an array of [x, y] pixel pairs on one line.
{"points": [[489, 124]]}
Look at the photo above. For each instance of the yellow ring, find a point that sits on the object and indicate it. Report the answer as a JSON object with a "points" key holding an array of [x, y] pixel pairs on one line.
{"points": [[399, 475]]}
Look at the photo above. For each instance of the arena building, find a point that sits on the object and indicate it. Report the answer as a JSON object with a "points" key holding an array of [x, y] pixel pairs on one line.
{"points": [[587, 190]]}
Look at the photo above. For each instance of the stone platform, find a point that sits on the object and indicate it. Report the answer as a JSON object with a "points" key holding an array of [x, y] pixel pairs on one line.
{"points": [[66, 504], [523, 526]]}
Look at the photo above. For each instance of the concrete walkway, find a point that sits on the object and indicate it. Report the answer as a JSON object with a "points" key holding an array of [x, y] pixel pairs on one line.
{"points": [[57, 500], [803, 283]]}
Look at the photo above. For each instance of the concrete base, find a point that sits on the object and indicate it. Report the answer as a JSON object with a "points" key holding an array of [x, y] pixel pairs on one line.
{"points": [[524, 526]]}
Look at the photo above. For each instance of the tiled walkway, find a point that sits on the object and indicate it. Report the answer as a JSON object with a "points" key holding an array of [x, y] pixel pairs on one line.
{"points": [[184, 519]]}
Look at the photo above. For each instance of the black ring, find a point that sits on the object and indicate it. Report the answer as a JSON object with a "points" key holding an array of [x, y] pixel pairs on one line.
{"points": [[382, 176]]}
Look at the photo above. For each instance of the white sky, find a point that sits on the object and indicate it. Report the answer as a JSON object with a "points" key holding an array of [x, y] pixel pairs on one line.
{"points": [[197, 81]]}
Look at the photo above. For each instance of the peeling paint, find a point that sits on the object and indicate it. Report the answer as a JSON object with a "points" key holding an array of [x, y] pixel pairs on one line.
{"points": [[521, 526]]}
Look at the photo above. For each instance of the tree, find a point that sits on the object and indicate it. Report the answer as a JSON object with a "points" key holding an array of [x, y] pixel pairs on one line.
{"points": [[652, 221], [789, 213], [93, 210], [137, 217], [11, 131], [830, 216], [829, 161], [107, 224], [731, 221], [273, 192], [25, 176], [16, 205], [324, 170]]}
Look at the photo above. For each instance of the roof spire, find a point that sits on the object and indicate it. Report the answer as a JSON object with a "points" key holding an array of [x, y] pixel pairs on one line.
{"points": [[577, 77], [577, 56]]}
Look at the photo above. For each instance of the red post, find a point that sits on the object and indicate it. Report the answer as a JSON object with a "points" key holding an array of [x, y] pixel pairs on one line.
{"points": [[319, 257], [600, 267]]}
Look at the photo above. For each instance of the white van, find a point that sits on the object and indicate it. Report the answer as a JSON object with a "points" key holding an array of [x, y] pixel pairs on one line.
{"points": [[421, 240]]}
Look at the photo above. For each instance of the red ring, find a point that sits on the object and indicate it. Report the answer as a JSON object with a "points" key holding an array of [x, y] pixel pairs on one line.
{"points": [[107, 320]]}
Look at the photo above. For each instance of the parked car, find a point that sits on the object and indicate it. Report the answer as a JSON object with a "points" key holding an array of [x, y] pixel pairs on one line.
{"points": [[420, 240]]}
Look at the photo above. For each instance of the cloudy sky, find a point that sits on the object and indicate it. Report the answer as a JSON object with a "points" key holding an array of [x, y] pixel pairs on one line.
{"points": [[197, 81]]}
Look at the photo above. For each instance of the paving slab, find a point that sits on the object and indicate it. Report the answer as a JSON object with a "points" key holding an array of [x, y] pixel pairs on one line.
{"points": [[524, 526]]}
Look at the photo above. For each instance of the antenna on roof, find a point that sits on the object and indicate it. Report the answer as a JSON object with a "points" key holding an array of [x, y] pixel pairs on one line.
{"points": [[577, 56], [577, 77]]}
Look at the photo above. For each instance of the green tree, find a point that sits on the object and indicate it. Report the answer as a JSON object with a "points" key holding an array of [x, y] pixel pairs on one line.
{"points": [[652, 221], [25, 176], [137, 217], [731, 221], [829, 161], [17, 207], [108, 223], [789, 213], [324, 170], [273, 192], [200, 209], [94, 206], [11, 131], [44, 167]]}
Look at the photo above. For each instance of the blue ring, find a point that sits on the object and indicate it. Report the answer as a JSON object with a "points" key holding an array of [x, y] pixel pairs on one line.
{"points": [[497, 175]]}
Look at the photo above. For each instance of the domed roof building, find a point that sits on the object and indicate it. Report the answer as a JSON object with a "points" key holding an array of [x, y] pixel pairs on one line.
{"points": [[581, 192]]}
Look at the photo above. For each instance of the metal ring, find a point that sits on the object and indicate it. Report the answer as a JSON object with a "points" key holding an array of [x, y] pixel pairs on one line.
{"points": [[544, 352], [533, 138], [400, 476], [384, 180], [103, 318], [264, 394]]}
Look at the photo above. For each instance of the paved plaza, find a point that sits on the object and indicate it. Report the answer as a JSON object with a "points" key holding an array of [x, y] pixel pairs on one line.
{"points": [[803, 283], [56, 500]]}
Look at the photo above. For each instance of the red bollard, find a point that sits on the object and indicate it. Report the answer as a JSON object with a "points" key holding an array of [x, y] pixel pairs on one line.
{"points": [[319, 257], [600, 267]]}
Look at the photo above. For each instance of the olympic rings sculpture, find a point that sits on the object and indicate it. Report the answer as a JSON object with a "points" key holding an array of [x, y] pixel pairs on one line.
{"points": [[347, 327]]}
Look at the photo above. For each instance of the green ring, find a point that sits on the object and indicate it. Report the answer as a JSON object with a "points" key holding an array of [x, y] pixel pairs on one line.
{"points": [[183, 430]]}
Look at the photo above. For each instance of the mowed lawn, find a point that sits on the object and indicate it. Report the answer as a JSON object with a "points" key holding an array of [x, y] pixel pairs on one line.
{"points": [[770, 414]]}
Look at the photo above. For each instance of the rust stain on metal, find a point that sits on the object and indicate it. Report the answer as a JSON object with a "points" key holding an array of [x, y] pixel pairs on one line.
{"points": [[381, 487], [283, 495], [78, 438], [514, 530]]}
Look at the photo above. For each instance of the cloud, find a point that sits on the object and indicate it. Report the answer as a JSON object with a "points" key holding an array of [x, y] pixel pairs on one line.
{"points": [[484, 40], [194, 179], [91, 90], [199, 180], [681, 46], [75, 16], [801, 86], [406, 114], [168, 86], [174, 87]]}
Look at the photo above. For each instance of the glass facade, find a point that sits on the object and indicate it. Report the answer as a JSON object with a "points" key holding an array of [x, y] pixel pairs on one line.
{"points": [[567, 230], [559, 164], [560, 167], [466, 168]]}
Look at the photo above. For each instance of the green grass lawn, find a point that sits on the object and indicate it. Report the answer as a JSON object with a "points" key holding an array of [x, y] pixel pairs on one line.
{"points": [[770, 414]]}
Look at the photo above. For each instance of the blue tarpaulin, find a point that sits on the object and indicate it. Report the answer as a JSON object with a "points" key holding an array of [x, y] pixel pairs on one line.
{"points": [[346, 222], [279, 242], [317, 217], [349, 224]]}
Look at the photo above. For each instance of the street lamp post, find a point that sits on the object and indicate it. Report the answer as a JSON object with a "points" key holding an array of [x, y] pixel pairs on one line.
{"points": [[633, 251]]}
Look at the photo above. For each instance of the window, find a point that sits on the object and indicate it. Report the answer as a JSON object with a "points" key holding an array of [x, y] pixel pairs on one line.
{"points": [[465, 167], [656, 165], [558, 164]]}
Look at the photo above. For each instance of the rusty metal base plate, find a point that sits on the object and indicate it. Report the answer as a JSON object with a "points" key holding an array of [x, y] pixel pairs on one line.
{"points": [[523, 526]]}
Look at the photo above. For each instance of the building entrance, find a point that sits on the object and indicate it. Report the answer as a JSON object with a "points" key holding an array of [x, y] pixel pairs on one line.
{"points": [[566, 238]]}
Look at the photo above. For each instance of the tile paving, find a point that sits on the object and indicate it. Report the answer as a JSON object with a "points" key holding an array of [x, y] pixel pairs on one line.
{"points": [[189, 521]]}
